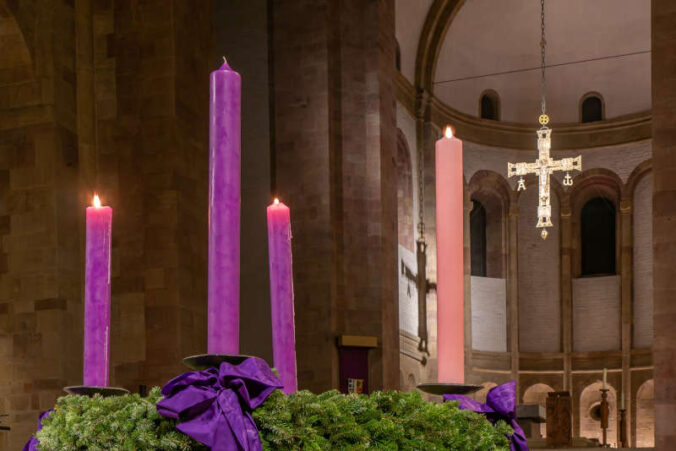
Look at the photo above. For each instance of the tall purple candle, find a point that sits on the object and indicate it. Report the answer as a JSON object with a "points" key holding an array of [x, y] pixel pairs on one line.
{"points": [[281, 295], [97, 295], [224, 210]]}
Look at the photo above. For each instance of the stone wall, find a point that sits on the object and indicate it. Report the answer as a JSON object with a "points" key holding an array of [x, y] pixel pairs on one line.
{"points": [[596, 313], [664, 217], [334, 162], [489, 314], [40, 303], [107, 97], [538, 278], [643, 264]]}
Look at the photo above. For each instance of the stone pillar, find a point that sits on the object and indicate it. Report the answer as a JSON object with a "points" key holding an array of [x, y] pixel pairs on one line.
{"points": [[626, 277], [566, 290], [513, 287], [159, 152], [467, 288], [335, 131], [664, 219]]}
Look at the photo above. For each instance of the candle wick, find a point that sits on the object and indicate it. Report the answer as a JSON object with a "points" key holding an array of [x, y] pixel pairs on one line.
{"points": [[225, 61]]}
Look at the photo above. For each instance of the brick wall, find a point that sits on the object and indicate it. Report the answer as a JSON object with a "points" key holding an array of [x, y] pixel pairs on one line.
{"points": [[489, 314], [642, 307], [538, 278], [39, 250], [338, 171], [596, 313]]}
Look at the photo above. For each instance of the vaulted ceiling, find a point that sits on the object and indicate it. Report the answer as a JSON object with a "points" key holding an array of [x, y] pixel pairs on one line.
{"points": [[598, 46]]}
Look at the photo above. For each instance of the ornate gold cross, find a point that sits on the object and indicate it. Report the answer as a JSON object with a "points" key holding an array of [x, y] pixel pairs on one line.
{"points": [[544, 166]]}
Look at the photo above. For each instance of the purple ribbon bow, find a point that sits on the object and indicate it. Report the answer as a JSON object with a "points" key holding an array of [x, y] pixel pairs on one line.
{"points": [[500, 405], [32, 444], [214, 406]]}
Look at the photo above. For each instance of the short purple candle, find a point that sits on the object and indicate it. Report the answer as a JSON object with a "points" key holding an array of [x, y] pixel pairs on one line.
{"points": [[97, 295], [224, 210], [281, 295]]}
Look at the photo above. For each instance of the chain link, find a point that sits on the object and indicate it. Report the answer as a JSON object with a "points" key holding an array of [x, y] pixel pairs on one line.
{"points": [[543, 45]]}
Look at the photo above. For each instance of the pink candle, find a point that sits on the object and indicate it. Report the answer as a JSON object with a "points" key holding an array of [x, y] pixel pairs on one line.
{"points": [[224, 210], [97, 295], [281, 295], [450, 268]]}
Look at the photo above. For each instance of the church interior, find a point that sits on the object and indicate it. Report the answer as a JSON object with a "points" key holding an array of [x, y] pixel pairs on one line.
{"points": [[342, 105]]}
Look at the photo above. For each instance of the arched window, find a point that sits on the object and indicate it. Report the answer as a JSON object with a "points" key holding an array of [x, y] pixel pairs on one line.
{"points": [[404, 194], [489, 106], [598, 237], [477, 236], [591, 109]]}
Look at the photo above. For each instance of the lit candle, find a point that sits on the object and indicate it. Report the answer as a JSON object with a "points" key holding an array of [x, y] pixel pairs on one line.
{"points": [[224, 210], [97, 295], [281, 294], [450, 268], [605, 378]]}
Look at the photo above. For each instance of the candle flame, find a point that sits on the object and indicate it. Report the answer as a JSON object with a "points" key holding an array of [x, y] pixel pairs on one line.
{"points": [[276, 201], [448, 132], [97, 201]]}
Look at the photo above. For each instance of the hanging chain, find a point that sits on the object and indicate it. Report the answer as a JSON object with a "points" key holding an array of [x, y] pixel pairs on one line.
{"points": [[421, 194], [543, 44]]}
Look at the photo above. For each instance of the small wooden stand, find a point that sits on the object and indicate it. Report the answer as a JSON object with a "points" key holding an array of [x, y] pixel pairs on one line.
{"points": [[559, 423], [605, 413]]}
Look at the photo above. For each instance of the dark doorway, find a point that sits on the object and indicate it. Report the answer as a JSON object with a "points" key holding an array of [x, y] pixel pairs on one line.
{"points": [[598, 237], [477, 236]]}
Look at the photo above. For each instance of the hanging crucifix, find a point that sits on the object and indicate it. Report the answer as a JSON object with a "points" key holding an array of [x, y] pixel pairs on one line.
{"points": [[544, 166]]}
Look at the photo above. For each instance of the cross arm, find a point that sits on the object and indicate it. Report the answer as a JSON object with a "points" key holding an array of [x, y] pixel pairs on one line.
{"points": [[522, 169], [567, 164]]}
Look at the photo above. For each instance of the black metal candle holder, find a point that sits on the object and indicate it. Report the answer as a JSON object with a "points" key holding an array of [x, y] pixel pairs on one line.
{"points": [[434, 388], [91, 390], [201, 362]]}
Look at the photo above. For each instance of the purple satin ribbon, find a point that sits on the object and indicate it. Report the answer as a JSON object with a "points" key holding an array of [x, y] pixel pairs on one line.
{"points": [[500, 405], [32, 444], [214, 406]]}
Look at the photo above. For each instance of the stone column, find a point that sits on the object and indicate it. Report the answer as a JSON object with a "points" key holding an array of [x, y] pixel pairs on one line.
{"points": [[513, 287], [335, 130], [467, 288], [157, 144], [664, 219], [566, 290], [626, 277]]}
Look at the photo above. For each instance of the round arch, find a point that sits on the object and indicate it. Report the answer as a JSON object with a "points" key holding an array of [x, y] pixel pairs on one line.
{"points": [[494, 98], [405, 212], [645, 415], [589, 422], [593, 183], [537, 394], [589, 95], [493, 193]]}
